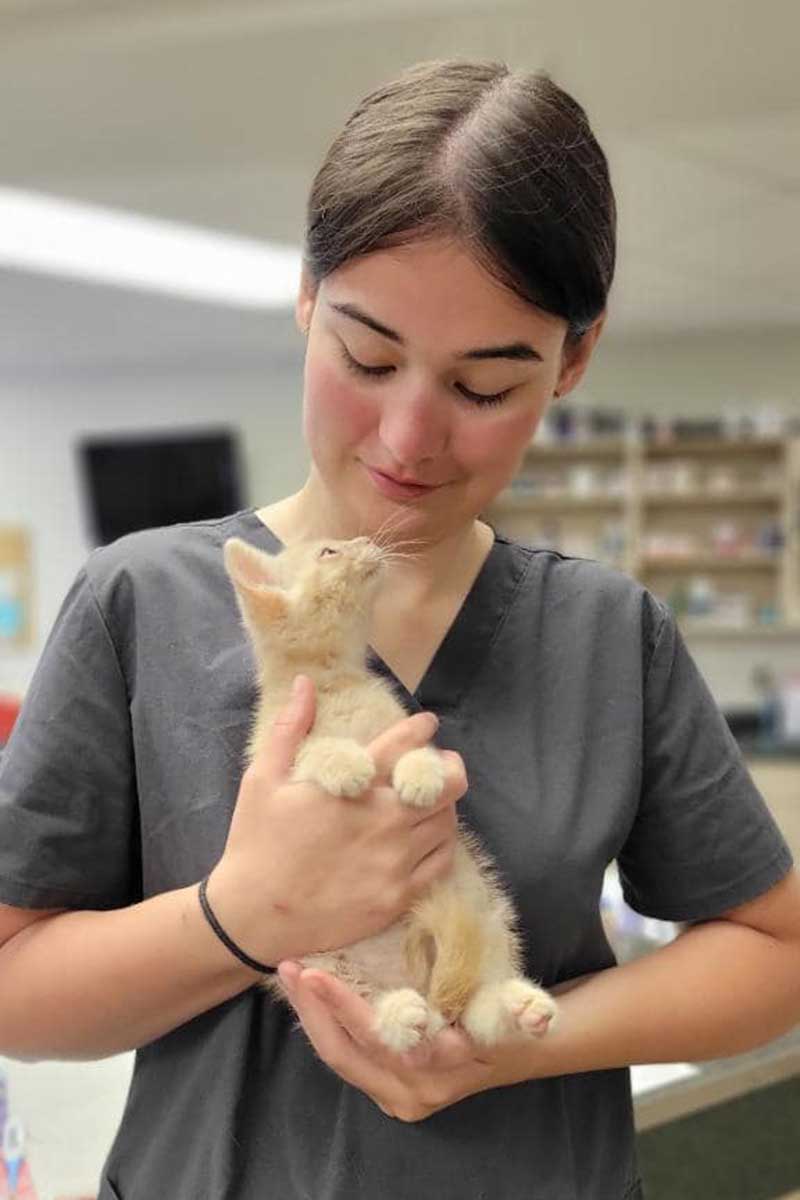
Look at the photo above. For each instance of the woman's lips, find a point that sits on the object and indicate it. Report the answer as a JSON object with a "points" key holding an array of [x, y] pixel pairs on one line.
{"points": [[395, 490]]}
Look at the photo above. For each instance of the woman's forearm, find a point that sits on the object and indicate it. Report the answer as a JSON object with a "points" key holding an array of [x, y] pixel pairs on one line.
{"points": [[84, 985], [719, 989]]}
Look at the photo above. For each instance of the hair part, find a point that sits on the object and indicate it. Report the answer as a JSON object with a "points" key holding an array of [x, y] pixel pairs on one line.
{"points": [[504, 162]]}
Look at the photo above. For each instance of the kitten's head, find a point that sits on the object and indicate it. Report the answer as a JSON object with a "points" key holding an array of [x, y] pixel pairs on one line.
{"points": [[310, 604]]}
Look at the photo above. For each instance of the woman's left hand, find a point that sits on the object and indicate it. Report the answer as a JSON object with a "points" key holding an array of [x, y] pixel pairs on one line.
{"points": [[408, 1086]]}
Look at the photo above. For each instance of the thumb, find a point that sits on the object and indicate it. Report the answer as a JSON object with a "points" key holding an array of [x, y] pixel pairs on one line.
{"points": [[291, 726]]}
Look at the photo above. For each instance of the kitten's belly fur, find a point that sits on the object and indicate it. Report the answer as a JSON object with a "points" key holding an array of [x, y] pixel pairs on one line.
{"points": [[375, 963], [361, 707]]}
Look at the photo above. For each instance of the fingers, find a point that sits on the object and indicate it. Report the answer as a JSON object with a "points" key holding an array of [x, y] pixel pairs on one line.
{"points": [[340, 1038], [352, 1011], [455, 786], [449, 1050], [289, 728], [432, 832], [432, 866], [456, 782], [410, 733], [409, 1086]]}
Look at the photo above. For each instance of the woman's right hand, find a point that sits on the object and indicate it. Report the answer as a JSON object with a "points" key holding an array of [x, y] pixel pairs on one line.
{"points": [[305, 871]]}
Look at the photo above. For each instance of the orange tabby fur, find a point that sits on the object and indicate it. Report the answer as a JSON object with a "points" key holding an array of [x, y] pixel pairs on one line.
{"points": [[455, 956]]}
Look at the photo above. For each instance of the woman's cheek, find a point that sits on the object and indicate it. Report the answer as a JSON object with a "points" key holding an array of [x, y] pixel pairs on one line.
{"points": [[502, 443], [333, 410]]}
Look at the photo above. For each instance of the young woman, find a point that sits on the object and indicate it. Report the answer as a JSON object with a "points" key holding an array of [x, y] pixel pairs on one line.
{"points": [[459, 253]]}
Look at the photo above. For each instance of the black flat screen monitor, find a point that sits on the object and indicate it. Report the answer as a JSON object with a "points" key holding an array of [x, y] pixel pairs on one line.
{"points": [[133, 483]]}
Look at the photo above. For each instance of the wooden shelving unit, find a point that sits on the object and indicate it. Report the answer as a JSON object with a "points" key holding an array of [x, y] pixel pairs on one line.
{"points": [[709, 524]]}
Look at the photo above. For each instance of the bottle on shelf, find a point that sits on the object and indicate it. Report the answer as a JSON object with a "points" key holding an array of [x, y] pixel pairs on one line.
{"points": [[671, 503]]}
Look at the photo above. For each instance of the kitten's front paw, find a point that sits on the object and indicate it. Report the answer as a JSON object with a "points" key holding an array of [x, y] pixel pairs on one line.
{"points": [[403, 1018], [501, 1010], [339, 765], [419, 777]]}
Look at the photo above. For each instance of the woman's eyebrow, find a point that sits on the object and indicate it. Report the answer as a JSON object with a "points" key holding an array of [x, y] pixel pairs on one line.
{"points": [[520, 351]]}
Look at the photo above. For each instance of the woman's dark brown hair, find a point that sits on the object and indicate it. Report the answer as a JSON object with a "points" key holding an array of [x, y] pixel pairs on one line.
{"points": [[504, 161]]}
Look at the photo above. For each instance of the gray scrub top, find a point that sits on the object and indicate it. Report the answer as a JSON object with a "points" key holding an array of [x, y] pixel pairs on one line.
{"points": [[587, 736]]}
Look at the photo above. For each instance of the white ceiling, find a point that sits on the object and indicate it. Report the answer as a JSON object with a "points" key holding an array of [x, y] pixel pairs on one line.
{"points": [[217, 112]]}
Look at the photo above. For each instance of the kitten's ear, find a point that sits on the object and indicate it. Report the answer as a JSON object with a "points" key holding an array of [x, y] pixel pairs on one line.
{"points": [[250, 571], [247, 566]]}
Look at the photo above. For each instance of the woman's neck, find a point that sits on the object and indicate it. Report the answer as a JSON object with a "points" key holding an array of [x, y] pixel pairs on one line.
{"points": [[434, 566]]}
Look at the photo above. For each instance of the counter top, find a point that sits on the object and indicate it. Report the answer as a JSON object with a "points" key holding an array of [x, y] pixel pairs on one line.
{"points": [[717, 1081], [770, 749]]}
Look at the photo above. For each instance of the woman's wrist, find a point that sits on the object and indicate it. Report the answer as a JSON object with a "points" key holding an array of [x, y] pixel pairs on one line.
{"points": [[227, 941], [252, 932]]}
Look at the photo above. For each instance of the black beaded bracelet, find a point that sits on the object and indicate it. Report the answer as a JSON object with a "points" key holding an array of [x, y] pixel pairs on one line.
{"points": [[262, 968]]}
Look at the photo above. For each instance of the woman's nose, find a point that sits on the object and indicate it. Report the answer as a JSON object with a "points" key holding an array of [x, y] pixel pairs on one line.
{"points": [[414, 428]]}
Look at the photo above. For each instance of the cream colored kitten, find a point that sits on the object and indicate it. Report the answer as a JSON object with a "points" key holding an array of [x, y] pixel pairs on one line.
{"points": [[455, 956]]}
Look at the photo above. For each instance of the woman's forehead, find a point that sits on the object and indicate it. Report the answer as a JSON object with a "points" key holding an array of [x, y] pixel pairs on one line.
{"points": [[405, 292]]}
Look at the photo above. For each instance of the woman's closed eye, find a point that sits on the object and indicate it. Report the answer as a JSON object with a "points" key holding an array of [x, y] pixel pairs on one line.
{"points": [[381, 372]]}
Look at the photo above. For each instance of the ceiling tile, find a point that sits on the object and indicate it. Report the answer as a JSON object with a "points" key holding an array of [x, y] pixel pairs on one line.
{"points": [[759, 241], [663, 195]]}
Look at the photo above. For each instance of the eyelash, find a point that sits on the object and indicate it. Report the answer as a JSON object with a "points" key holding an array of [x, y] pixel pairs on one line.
{"points": [[477, 398]]}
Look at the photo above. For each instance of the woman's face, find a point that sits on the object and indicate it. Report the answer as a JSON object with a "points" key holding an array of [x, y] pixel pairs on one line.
{"points": [[421, 368]]}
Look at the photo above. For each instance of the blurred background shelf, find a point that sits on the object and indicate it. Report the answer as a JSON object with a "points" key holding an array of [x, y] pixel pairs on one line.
{"points": [[727, 447], [722, 499], [578, 451], [708, 629], [710, 525], [710, 562], [520, 500]]}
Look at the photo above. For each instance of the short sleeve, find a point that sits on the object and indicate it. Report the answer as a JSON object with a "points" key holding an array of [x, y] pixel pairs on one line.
{"points": [[68, 825], [703, 839]]}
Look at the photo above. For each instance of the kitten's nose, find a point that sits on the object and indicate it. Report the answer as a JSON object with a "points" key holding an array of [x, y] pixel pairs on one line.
{"points": [[367, 550]]}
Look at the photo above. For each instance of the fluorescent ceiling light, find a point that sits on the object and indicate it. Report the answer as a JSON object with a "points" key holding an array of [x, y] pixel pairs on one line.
{"points": [[61, 237]]}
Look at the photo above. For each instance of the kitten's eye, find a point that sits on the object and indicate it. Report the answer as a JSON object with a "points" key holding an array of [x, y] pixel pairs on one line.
{"points": [[327, 550]]}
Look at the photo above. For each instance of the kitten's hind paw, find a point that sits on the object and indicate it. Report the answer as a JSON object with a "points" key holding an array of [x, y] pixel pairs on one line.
{"points": [[419, 777], [501, 1010], [403, 1018], [532, 1009]]}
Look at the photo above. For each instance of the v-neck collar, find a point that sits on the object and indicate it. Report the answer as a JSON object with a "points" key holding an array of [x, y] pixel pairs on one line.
{"points": [[469, 638]]}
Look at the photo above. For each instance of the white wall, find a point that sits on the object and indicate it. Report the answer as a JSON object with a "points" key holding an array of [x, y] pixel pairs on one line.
{"points": [[39, 481], [699, 374], [70, 1112]]}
